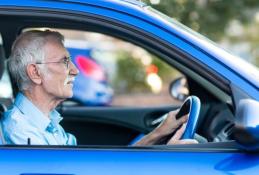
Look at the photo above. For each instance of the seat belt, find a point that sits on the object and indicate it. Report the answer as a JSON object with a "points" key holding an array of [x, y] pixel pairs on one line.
{"points": [[2, 140]]}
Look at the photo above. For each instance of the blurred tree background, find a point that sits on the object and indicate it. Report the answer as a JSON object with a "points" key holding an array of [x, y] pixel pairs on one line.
{"points": [[232, 24], [140, 76]]}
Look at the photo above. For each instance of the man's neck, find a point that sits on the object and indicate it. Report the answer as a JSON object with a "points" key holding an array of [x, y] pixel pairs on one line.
{"points": [[42, 101]]}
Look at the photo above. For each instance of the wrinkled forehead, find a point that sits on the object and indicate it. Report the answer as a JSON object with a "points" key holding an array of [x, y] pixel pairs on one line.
{"points": [[55, 50]]}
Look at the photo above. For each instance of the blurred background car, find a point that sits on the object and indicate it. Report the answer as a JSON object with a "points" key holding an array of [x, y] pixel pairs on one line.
{"points": [[91, 86]]}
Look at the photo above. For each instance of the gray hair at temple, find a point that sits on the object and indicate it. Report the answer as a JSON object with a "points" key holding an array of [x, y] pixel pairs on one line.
{"points": [[27, 49]]}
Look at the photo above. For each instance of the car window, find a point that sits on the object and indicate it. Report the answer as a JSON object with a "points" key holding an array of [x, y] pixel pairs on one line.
{"points": [[5, 83], [114, 72], [5, 86]]}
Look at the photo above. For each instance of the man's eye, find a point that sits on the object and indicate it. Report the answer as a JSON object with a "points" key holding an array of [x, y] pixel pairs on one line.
{"points": [[66, 59]]}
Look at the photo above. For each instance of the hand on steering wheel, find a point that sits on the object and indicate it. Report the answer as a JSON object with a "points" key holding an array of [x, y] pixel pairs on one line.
{"points": [[190, 107], [180, 126], [176, 127]]}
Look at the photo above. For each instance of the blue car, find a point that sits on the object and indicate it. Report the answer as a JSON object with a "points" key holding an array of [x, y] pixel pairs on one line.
{"points": [[91, 87], [219, 92]]}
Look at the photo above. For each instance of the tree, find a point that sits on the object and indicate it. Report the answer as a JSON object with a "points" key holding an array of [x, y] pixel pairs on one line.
{"points": [[214, 18]]}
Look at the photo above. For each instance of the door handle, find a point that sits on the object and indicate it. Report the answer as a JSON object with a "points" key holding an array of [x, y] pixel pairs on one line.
{"points": [[158, 120]]}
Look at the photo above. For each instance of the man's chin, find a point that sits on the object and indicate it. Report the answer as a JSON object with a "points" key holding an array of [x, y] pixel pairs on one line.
{"points": [[69, 91], [67, 95], [70, 95]]}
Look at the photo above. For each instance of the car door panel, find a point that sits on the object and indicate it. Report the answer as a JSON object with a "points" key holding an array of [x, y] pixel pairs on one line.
{"points": [[125, 161], [109, 125]]}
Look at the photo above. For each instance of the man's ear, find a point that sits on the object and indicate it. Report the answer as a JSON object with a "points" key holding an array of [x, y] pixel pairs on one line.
{"points": [[33, 73]]}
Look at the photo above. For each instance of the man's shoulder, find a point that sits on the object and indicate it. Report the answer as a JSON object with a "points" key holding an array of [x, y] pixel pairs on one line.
{"points": [[12, 116]]}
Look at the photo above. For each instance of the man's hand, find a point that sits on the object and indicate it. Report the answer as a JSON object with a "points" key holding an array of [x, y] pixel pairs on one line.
{"points": [[168, 126], [175, 139]]}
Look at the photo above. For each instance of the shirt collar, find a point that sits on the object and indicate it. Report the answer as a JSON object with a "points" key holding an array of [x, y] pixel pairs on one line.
{"points": [[34, 116]]}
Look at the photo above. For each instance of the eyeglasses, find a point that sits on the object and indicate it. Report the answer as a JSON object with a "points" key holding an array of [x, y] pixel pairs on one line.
{"points": [[66, 60]]}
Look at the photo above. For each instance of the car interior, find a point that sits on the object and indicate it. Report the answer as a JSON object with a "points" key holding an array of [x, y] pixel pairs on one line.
{"points": [[116, 125]]}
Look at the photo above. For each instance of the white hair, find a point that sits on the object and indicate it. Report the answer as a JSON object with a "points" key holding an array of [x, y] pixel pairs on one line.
{"points": [[28, 48]]}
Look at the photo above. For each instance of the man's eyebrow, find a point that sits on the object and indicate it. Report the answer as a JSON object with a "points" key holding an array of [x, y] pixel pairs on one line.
{"points": [[63, 57]]}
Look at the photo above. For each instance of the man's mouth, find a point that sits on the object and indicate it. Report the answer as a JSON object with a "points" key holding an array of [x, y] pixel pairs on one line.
{"points": [[69, 80]]}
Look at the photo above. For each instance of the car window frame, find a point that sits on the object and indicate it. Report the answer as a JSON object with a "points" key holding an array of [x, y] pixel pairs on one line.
{"points": [[132, 34]]}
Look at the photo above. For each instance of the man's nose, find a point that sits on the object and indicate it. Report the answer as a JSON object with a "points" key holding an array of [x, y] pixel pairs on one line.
{"points": [[73, 69]]}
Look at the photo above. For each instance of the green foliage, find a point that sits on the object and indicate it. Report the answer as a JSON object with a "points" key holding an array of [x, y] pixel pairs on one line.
{"points": [[213, 17], [130, 74], [166, 72], [209, 17]]}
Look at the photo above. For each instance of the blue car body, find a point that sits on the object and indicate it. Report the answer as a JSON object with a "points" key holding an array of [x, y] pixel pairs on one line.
{"points": [[209, 158]]}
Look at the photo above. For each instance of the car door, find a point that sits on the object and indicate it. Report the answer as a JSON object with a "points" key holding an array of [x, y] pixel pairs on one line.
{"points": [[204, 159]]}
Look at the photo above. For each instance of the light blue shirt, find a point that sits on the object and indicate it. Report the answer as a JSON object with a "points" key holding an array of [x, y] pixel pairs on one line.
{"points": [[24, 121]]}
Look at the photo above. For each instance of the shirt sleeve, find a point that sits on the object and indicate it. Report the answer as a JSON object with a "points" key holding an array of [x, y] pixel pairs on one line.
{"points": [[71, 139]]}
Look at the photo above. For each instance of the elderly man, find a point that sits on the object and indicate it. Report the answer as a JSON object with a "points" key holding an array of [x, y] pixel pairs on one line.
{"points": [[44, 73]]}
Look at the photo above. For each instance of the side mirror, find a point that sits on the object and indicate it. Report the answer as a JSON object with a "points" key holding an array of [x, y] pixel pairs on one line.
{"points": [[246, 130], [179, 89]]}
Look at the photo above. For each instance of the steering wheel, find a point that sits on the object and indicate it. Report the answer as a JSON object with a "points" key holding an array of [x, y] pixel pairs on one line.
{"points": [[191, 107]]}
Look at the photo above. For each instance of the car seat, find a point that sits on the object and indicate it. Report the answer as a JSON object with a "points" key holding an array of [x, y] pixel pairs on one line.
{"points": [[3, 107], [2, 110]]}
